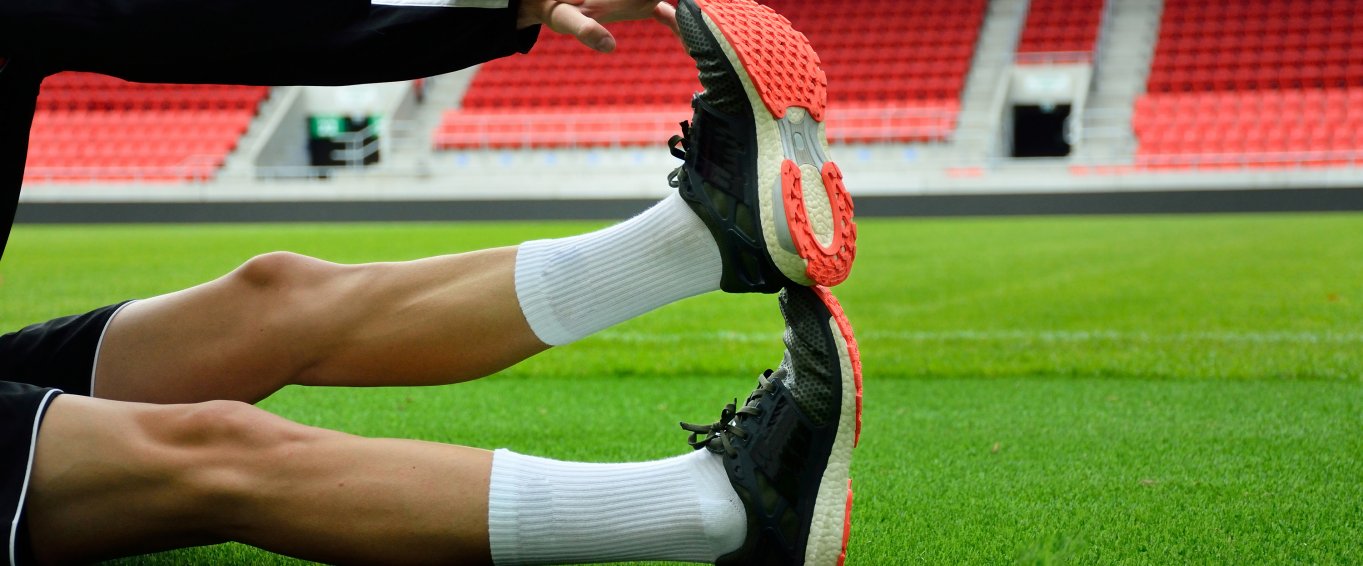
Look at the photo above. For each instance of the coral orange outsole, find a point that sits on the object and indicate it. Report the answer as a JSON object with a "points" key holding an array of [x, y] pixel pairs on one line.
{"points": [[846, 525], [781, 63], [826, 265]]}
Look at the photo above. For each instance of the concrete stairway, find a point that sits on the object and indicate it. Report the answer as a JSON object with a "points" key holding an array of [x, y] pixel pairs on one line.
{"points": [[412, 134], [1125, 51], [238, 163], [978, 123]]}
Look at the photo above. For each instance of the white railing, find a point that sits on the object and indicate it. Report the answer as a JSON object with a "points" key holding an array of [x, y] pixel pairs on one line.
{"points": [[650, 127], [1039, 58], [192, 169], [1251, 161]]}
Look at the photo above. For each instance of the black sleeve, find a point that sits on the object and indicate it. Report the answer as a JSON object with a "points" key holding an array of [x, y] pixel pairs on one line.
{"points": [[261, 42], [252, 42], [18, 95]]}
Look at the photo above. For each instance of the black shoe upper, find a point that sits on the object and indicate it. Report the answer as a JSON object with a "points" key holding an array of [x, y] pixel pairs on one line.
{"points": [[777, 445], [719, 177], [723, 90]]}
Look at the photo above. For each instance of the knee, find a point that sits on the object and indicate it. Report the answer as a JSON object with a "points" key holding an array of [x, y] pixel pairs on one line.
{"points": [[222, 425], [220, 450], [280, 271]]}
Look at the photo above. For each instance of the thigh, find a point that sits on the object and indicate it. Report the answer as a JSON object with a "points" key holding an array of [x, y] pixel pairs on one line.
{"points": [[108, 479], [59, 353], [22, 408]]}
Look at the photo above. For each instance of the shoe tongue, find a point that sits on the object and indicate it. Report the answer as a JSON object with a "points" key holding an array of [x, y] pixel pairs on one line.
{"points": [[785, 372]]}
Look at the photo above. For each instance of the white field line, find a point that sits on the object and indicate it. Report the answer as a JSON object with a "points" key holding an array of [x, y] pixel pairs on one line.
{"points": [[1055, 336]]}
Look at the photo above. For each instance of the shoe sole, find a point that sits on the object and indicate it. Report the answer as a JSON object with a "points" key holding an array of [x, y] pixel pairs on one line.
{"points": [[806, 210], [831, 527]]}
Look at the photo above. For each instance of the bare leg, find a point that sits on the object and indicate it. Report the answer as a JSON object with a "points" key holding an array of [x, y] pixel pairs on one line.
{"points": [[284, 319], [114, 479]]}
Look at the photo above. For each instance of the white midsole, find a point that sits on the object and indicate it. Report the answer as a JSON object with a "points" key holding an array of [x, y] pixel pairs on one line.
{"points": [[770, 155], [830, 506]]}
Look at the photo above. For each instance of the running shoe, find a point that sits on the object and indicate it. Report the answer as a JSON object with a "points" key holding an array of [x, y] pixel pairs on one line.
{"points": [[788, 449], [757, 169]]}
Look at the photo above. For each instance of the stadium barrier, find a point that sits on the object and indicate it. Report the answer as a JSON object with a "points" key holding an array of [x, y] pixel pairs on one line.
{"points": [[192, 169], [595, 127]]}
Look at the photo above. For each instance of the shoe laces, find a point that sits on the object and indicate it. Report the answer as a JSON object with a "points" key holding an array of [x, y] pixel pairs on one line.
{"points": [[719, 434], [680, 145]]}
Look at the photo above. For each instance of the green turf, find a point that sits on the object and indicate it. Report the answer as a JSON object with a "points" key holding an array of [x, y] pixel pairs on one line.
{"points": [[1040, 390]]}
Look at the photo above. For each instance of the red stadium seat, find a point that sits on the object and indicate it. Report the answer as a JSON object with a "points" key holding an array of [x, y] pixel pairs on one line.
{"points": [[1057, 27], [1276, 82], [892, 56], [95, 127]]}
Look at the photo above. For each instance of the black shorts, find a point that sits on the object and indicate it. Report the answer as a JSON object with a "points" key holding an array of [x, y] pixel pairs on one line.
{"points": [[36, 364], [22, 407], [59, 353]]}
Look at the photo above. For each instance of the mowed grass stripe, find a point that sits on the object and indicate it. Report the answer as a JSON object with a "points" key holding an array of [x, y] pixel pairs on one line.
{"points": [[1203, 278], [969, 471], [1006, 336], [1043, 390]]}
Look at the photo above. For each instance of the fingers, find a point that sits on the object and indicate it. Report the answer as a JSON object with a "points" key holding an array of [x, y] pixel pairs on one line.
{"points": [[564, 17], [579, 19], [667, 15]]}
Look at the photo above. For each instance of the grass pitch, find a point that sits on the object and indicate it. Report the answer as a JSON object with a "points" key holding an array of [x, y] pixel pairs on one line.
{"points": [[1038, 390]]}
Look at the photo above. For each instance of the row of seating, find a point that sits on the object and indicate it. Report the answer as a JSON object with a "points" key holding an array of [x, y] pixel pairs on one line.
{"points": [[1221, 11], [224, 98], [132, 154], [95, 128], [81, 120], [1242, 101], [73, 80], [164, 134], [1261, 78], [1060, 26], [1226, 121], [1223, 60], [1264, 83], [885, 53], [1233, 41], [917, 8], [1254, 29]]}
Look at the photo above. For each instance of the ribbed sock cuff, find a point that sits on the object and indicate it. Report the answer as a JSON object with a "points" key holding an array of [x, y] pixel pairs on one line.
{"points": [[544, 511], [572, 287]]}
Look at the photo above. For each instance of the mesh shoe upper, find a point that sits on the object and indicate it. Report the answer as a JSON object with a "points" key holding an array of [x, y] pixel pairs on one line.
{"points": [[778, 444], [719, 179], [723, 90]]}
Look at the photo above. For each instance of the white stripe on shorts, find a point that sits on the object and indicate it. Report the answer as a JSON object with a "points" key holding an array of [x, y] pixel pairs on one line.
{"points": [[28, 473], [99, 345]]}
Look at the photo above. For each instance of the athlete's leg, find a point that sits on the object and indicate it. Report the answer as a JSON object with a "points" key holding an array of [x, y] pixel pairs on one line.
{"points": [[287, 319], [284, 319], [114, 479]]}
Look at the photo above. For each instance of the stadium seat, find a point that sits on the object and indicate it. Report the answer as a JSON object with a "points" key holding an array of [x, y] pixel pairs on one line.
{"points": [[1274, 83], [92, 127], [896, 67], [1066, 29]]}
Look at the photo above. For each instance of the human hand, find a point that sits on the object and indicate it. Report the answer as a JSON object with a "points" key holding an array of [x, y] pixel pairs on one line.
{"points": [[583, 19]]}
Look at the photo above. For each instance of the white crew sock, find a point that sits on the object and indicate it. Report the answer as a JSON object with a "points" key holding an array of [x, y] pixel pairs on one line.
{"points": [[571, 287], [544, 511]]}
